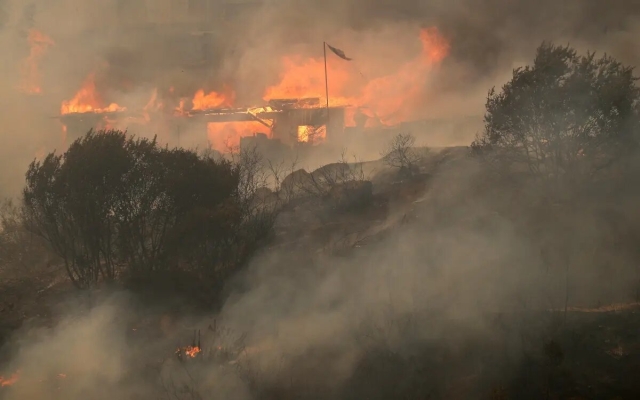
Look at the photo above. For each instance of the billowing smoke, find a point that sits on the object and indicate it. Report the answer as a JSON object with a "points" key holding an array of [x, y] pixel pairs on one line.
{"points": [[420, 282], [131, 57]]}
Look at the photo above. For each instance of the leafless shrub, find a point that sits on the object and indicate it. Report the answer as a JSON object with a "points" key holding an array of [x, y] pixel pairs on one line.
{"points": [[400, 154], [278, 173]]}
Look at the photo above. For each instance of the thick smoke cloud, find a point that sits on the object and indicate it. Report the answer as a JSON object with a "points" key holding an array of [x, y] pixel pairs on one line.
{"points": [[84, 349], [487, 39]]}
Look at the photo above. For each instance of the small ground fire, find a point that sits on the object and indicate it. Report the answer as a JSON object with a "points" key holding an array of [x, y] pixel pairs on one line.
{"points": [[190, 351]]}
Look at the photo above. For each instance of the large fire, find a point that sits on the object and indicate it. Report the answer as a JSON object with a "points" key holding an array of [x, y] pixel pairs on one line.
{"points": [[304, 78], [385, 99], [226, 136], [88, 100], [213, 99], [30, 79], [390, 98]]}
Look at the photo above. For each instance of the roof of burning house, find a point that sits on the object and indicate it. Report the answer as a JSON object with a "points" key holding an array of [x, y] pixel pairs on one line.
{"points": [[307, 109]]}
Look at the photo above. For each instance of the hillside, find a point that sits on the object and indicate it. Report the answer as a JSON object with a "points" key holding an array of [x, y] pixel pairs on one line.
{"points": [[454, 250]]}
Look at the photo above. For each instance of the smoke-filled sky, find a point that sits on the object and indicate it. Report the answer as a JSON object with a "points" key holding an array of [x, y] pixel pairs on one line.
{"points": [[130, 58]]}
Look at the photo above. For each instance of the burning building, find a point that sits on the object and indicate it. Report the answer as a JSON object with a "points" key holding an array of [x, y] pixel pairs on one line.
{"points": [[291, 121], [288, 122], [294, 110]]}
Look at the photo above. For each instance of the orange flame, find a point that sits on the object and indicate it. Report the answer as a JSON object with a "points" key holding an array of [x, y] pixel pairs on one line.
{"points": [[303, 134], [88, 100], [311, 134], [212, 100], [10, 380], [38, 43], [190, 351], [305, 79], [435, 47], [391, 98], [386, 99], [396, 98], [226, 136]]}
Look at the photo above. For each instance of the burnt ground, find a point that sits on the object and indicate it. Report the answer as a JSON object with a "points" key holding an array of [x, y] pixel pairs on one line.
{"points": [[584, 353], [594, 356], [28, 298]]}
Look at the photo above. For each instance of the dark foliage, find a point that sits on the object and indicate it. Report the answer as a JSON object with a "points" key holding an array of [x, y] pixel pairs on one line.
{"points": [[564, 119], [115, 205]]}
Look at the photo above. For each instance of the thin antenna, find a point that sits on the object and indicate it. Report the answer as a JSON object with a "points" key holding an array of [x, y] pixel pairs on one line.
{"points": [[326, 83]]}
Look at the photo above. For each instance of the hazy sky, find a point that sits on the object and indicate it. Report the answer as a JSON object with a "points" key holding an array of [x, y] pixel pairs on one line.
{"points": [[487, 39]]}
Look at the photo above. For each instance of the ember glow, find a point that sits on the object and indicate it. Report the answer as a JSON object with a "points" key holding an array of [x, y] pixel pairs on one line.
{"points": [[303, 134], [311, 134], [189, 351], [4, 382], [192, 351], [31, 76], [88, 100]]}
